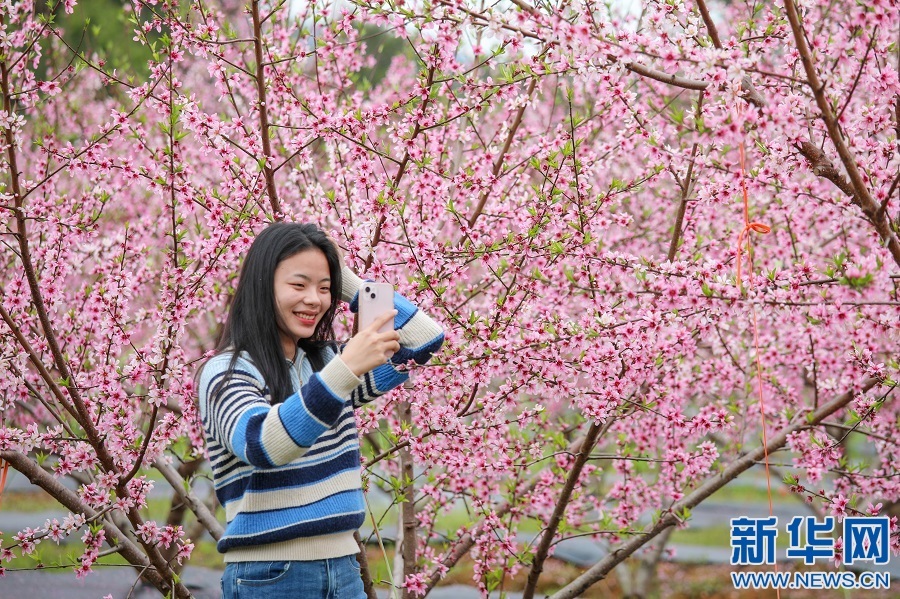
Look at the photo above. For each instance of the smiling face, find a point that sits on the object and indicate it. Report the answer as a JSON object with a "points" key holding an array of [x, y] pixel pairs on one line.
{"points": [[302, 296]]}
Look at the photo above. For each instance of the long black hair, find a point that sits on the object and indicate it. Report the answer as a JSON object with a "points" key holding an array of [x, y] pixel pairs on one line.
{"points": [[251, 325]]}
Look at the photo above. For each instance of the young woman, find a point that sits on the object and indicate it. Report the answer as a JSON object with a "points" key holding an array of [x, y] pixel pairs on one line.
{"points": [[277, 405]]}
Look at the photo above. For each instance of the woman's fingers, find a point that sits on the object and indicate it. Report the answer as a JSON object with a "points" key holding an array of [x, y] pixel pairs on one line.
{"points": [[389, 344], [383, 319], [370, 348], [392, 349]]}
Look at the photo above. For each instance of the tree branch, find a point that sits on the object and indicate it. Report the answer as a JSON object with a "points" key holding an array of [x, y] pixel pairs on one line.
{"points": [[21, 233], [498, 164], [861, 195], [823, 167], [408, 507], [467, 541], [204, 515], [401, 170], [670, 518], [686, 187], [710, 24], [268, 171], [68, 498], [36, 362], [537, 566]]}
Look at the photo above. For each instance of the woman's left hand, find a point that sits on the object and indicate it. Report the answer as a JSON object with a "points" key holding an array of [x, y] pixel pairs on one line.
{"points": [[369, 348]]}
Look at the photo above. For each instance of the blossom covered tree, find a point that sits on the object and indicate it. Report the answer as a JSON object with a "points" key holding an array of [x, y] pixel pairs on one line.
{"points": [[575, 189]]}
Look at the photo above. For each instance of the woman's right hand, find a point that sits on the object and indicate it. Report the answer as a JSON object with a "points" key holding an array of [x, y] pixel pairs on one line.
{"points": [[369, 348]]}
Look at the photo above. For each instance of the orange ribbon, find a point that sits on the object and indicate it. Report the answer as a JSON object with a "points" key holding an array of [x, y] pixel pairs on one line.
{"points": [[4, 470], [745, 232], [748, 226]]}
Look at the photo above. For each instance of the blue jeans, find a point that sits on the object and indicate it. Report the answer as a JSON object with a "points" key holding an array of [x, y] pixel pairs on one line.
{"points": [[336, 578]]}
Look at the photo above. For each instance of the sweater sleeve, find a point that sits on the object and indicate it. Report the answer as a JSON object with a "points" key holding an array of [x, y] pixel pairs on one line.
{"points": [[420, 338], [236, 412]]}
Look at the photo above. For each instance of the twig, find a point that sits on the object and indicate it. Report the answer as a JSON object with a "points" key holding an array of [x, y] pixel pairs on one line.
{"points": [[686, 188], [268, 172], [862, 67]]}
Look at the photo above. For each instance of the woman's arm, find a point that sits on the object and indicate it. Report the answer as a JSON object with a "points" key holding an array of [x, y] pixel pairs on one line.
{"points": [[237, 414], [420, 338]]}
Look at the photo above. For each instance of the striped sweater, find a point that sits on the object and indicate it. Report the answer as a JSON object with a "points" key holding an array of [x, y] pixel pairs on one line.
{"points": [[288, 475]]}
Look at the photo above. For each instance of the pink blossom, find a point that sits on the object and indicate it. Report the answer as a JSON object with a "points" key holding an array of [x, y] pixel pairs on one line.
{"points": [[415, 583], [839, 507]]}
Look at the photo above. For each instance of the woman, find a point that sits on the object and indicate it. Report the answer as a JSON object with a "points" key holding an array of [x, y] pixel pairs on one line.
{"points": [[277, 406]]}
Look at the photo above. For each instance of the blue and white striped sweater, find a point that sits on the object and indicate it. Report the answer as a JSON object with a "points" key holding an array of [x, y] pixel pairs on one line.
{"points": [[289, 475]]}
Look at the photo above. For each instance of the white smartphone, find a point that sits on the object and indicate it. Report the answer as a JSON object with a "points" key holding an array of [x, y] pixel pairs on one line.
{"points": [[374, 300]]}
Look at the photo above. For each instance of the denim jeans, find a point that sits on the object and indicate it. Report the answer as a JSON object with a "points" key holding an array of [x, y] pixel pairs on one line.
{"points": [[336, 578]]}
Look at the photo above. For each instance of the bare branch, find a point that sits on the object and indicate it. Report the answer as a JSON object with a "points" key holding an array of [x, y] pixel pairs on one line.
{"points": [[204, 515], [408, 508], [670, 79], [710, 25], [823, 167]]}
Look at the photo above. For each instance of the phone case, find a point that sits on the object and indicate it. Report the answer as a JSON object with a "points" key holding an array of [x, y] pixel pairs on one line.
{"points": [[374, 300]]}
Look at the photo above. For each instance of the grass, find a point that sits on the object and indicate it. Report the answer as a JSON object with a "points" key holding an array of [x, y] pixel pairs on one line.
{"points": [[29, 502], [717, 536], [744, 493], [205, 554]]}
